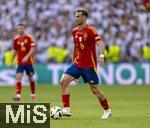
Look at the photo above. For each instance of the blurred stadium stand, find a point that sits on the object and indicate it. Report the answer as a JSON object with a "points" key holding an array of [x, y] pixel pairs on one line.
{"points": [[122, 22]]}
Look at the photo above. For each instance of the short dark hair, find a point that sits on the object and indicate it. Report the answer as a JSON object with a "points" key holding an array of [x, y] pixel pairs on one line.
{"points": [[83, 10], [21, 24]]}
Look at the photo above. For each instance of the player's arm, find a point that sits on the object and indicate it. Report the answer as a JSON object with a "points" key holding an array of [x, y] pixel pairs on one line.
{"points": [[101, 50], [100, 43], [31, 52], [14, 53]]}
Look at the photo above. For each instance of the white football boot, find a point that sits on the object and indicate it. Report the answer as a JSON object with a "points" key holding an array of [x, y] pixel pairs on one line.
{"points": [[106, 114], [66, 111]]}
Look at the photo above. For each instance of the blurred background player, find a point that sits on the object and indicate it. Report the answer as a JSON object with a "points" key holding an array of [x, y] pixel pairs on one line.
{"points": [[84, 62], [23, 47]]}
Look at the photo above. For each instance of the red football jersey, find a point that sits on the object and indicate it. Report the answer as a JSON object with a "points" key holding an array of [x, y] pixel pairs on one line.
{"points": [[85, 46], [22, 46]]}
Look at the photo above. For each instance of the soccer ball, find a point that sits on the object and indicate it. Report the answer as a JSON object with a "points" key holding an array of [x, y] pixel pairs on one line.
{"points": [[56, 112]]}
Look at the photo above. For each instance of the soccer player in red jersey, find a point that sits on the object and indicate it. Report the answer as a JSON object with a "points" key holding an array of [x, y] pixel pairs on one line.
{"points": [[84, 62], [23, 48]]}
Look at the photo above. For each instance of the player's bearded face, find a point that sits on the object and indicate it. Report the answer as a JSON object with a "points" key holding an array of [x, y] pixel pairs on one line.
{"points": [[80, 19], [20, 30]]}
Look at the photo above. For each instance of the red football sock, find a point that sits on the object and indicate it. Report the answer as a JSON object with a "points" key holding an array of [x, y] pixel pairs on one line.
{"points": [[32, 86], [104, 104], [18, 87], [66, 100]]}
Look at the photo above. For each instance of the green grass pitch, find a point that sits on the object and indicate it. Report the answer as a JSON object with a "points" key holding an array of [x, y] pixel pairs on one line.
{"points": [[130, 105]]}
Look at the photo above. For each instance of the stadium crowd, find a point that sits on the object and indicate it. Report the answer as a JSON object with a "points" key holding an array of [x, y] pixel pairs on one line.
{"points": [[125, 23]]}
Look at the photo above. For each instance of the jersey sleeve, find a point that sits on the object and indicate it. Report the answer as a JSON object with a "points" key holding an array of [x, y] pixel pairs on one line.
{"points": [[32, 43], [95, 35]]}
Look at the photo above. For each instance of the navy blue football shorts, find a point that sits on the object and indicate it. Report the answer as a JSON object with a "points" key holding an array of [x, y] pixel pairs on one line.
{"points": [[89, 75], [27, 68]]}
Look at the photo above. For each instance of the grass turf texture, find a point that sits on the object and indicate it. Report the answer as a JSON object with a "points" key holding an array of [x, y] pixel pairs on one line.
{"points": [[130, 105]]}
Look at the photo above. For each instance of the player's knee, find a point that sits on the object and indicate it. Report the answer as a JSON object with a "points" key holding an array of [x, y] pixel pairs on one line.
{"points": [[19, 78], [62, 82]]}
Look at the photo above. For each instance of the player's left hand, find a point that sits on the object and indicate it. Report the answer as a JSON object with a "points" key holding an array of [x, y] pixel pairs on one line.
{"points": [[102, 61], [25, 59]]}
